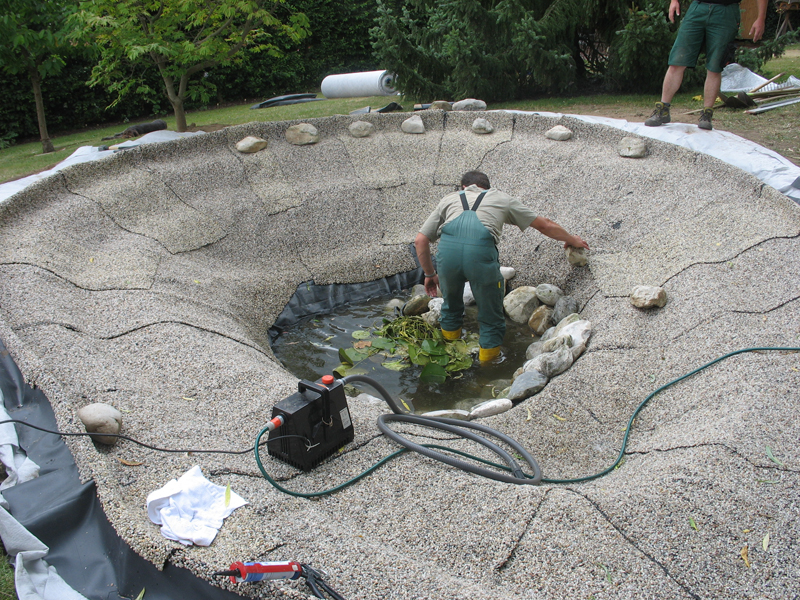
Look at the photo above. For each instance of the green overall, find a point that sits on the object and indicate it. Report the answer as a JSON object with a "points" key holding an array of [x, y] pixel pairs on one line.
{"points": [[467, 252]]}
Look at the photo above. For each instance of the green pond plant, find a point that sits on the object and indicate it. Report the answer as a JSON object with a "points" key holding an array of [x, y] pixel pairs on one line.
{"points": [[406, 341]]}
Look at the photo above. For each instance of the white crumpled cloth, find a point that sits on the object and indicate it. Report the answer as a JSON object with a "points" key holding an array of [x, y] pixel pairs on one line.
{"points": [[191, 509]]}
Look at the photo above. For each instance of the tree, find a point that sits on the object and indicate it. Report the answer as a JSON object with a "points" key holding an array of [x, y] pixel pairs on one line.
{"points": [[33, 34], [181, 38], [501, 49]]}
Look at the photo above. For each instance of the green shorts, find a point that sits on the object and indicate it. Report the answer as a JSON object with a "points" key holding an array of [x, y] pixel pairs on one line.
{"points": [[712, 25]]}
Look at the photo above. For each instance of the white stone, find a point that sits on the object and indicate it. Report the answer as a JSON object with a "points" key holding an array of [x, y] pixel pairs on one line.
{"points": [[508, 272], [455, 413], [469, 104], [302, 134], [490, 407], [576, 256], [482, 126], [251, 144], [559, 133], [648, 296], [579, 332], [548, 294], [101, 418], [413, 125], [468, 297], [361, 129], [563, 323], [632, 147], [520, 303]]}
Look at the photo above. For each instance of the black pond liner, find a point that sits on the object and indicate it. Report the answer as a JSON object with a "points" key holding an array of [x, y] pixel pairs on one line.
{"points": [[66, 514], [310, 299]]}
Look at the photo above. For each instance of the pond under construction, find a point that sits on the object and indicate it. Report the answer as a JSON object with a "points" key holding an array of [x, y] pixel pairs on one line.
{"points": [[310, 349]]}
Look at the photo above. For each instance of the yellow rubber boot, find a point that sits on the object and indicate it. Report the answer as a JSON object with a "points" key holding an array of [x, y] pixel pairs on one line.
{"points": [[487, 354], [451, 335]]}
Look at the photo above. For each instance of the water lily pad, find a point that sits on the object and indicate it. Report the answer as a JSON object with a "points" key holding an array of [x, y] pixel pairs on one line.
{"points": [[360, 334], [433, 373], [351, 355]]}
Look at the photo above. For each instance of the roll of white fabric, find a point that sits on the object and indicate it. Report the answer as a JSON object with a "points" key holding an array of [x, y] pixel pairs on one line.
{"points": [[358, 85]]}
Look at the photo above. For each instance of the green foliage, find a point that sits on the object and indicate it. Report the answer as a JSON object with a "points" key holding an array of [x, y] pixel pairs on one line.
{"points": [[754, 58], [181, 39], [494, 49], [406, 341], [638, 55], [338, 42]]}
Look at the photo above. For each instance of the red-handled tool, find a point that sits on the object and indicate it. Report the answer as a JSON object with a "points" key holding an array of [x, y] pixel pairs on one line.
{"points": [[242, 572]]}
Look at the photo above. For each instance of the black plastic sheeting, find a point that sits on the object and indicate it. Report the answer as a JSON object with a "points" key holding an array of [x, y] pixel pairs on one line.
{"points": [[310, 299], [67, 516]]}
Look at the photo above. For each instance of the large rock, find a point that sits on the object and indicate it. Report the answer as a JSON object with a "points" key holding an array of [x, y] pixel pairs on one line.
{"points": [[565, 306], [632, 147], [490, 407], [251, 144], [548, 293], [527, 384], [558, 133], [576, 256], [648, 296], [551, 363], [482, 126], [413, 125], [562, 324], [520, 303], [540, 319], [579, 332], [302, 134], [417, 305], [101, 418], [469, 104], [441, 105], [361, 129], [468, 297]]}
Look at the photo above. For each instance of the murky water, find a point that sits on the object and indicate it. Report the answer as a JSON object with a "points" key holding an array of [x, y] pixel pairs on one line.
{"points": [[310, 350]]}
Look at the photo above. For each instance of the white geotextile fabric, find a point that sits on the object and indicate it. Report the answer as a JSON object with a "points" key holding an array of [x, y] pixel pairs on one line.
{"points": [[191, 509], [358, 85], [19, 467], [89, 153], [736, 78], [768, 166], [34, 579]]}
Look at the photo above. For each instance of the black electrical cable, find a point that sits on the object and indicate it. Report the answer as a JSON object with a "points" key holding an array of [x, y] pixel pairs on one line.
{"points": [[130, 439]]}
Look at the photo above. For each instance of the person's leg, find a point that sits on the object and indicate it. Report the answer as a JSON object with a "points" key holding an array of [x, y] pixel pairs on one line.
{"points": [[449, 263], [684, 54], [482, 268], [722, 27], [672, 82]]}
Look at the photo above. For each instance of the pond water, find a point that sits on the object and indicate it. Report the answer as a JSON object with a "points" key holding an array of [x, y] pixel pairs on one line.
{"points": [[310, 349]]}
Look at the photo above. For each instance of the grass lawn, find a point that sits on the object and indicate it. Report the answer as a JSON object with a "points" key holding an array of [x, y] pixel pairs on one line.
{"points": [[24, 159]]}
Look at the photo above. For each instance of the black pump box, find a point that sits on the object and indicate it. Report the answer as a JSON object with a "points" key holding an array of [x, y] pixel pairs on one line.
{"points": [[316, 424]]}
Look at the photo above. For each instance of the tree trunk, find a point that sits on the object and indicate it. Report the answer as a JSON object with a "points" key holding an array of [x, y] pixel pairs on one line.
{"points": [[36, 80], [176, 99]]}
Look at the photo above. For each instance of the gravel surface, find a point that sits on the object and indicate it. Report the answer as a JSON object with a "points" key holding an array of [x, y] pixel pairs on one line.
{"points": [[149, 280]]}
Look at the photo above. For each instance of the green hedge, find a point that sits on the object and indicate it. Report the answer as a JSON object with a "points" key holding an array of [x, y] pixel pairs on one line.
{"points": [[339, 43]]}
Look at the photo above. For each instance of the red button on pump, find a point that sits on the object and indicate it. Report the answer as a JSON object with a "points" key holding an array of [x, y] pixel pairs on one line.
{"points": [[327, 379]]}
